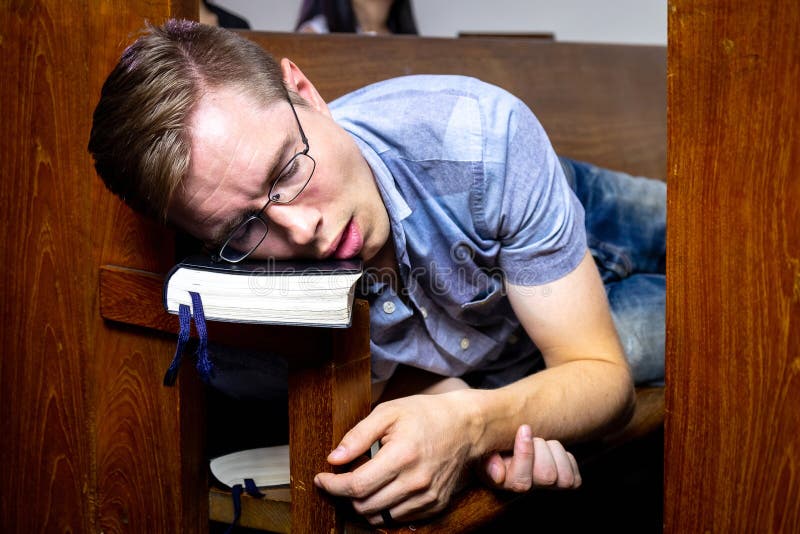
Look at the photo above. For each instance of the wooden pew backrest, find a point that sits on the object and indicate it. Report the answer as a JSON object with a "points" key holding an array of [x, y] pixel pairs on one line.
{"points": [[600, 103]]}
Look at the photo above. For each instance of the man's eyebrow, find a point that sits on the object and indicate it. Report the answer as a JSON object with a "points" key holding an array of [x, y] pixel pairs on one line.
{"points": [[274, 167]]}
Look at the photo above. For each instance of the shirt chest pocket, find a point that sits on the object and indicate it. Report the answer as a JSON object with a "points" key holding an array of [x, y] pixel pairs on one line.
{"points": [[489, 302]]}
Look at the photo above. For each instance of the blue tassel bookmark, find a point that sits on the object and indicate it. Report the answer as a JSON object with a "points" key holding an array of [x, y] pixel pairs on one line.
{"points": [[236, 496], [204, 365], [185, 318], [251, 488]]}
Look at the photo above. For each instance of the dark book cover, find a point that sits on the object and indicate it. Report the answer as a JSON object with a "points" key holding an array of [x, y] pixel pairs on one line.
{"points": [[203, 262]]}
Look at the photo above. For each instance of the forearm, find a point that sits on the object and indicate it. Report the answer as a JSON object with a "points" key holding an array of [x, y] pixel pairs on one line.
{"points": [[571, 402]]}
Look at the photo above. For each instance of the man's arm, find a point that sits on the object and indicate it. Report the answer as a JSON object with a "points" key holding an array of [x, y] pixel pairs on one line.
{"points": [[427, 440], [586, 388]]}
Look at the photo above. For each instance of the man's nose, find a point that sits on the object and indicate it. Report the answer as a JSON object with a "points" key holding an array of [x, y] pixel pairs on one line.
{"points": [[298, 223]]}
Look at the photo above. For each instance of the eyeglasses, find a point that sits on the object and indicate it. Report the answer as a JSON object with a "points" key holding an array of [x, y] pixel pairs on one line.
{"points": [[291, 181]]}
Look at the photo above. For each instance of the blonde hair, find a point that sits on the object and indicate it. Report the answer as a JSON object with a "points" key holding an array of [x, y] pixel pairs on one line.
{"points": [[139, 139]]}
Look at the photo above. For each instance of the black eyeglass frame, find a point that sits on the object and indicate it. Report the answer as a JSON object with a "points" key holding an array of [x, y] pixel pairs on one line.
{"points": [[272, 197]]}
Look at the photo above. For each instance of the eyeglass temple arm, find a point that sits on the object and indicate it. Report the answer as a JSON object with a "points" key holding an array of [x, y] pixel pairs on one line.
{"points": [[299, 126]]}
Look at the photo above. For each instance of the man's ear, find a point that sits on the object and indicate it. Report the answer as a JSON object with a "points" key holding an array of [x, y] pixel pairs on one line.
{"points": [[297, 82]]}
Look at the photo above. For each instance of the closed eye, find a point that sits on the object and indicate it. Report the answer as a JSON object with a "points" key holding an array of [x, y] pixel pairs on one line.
{"points": [[234, 225], [290, 170], [240, 233]]}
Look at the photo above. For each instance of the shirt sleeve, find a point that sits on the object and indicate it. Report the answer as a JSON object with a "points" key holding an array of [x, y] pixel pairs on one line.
{"points": [[525, 202]]}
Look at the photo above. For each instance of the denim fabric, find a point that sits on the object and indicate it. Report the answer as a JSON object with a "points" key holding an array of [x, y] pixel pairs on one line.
{"points": [[626, 221]]}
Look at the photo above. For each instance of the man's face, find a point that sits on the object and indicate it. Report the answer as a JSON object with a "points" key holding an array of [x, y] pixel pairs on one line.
{"points": [[237, 149]]}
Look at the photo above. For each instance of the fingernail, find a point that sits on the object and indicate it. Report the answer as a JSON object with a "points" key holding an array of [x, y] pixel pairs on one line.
{"points": [[316, 482], [337, 452], [525, 432]]}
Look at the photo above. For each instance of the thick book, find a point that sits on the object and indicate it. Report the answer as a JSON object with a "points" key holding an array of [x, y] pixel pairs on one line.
{"points": [[307, 293]]}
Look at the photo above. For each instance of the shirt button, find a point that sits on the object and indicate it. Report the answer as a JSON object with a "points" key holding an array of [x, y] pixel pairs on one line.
{"points": [[388, 306], [464, 343], [512, 339], [424, 312]]}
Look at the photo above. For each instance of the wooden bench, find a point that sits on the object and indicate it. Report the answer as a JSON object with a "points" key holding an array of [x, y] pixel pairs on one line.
{"points": [[600, 103]]}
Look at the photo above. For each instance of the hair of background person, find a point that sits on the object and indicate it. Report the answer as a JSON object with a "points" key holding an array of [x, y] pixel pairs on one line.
{"points": [[139, 139], [341, 17], [226, 18]]}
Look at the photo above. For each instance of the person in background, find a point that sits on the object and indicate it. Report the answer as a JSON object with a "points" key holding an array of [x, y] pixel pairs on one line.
{"points": [[216, 16], [371, 17]]}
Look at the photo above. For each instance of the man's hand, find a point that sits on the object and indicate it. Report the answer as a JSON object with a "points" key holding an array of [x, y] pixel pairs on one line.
{"points": [[423, 454], [534, 463]]}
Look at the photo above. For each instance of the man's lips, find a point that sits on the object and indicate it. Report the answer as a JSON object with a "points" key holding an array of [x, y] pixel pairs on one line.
{"points": [[348, 244]]}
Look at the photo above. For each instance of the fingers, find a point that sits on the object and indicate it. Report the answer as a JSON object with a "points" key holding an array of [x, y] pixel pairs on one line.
{"points": [[370, 477], [567, 474], [554, 466], [535, 463], [575, 470], [358, 440], [545, 473], [401, 505]]}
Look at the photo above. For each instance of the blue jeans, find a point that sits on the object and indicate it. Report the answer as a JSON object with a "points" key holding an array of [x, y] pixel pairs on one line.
{"points": [[626, 220]]}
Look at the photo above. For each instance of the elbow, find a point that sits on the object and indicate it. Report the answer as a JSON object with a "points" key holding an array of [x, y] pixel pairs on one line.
{"points": [[626, 400]]}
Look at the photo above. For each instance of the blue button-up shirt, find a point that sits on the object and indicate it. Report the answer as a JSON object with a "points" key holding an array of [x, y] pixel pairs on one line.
{"points": [[476, 197]]}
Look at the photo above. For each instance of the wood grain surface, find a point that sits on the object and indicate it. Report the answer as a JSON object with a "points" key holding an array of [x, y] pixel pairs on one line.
{"points": [[91, 441], [732, 441]]}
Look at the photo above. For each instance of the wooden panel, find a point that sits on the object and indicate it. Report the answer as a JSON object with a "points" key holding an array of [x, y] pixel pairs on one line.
{"points": [[90, 441], [602, 103], [733, 305], [150, 466], [328, 395]]}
